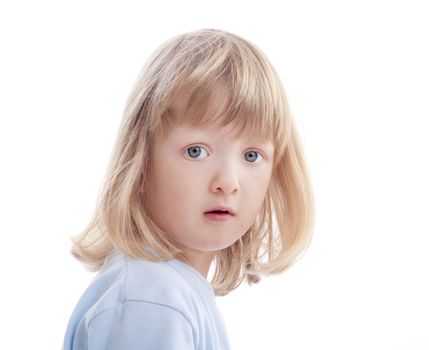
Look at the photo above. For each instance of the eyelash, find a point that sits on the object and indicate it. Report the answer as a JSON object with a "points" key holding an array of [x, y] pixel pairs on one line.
{"points": [[199, 146]]}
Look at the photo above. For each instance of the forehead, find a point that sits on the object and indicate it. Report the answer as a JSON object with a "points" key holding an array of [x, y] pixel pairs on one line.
{"points": [[216, 110]]}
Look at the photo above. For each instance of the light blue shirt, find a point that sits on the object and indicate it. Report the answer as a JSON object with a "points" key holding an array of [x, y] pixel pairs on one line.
{"points": [[136, 304]]}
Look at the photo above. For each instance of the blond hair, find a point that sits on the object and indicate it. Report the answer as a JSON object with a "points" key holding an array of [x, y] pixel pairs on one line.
{"points": [[186, 69]]}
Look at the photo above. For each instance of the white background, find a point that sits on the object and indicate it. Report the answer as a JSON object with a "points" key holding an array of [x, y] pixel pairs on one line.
{"points": [[356, 73]]}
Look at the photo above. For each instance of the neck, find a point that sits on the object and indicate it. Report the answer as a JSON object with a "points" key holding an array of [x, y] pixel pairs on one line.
{"points": [[201, 261]]}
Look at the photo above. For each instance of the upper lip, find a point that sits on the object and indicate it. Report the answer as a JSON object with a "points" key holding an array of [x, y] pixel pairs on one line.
{"points": [[229, 210]]}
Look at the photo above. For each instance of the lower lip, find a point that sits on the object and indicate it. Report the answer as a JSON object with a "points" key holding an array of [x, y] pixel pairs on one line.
{"points": [[218, 217]]}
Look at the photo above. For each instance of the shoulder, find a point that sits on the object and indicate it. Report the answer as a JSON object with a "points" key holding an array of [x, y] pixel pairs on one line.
{"points": [[124, 280], [139, 324], [156, 282], [134, 302]]}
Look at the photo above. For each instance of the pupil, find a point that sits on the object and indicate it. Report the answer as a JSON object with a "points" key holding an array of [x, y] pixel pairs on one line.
{"points": [[194, 151], [252, 155]]}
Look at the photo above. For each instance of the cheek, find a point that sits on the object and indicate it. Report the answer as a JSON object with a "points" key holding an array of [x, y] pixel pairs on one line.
{"points": [[179, 179], [179, 188], [257, 191]]}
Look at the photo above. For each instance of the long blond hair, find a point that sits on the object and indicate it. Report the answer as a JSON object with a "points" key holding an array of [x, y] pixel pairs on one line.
{"points": [[187, 68]]}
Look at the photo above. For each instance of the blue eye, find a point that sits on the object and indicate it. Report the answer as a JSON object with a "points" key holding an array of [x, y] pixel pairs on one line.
{"points": [[252, 155], [194, 151]]}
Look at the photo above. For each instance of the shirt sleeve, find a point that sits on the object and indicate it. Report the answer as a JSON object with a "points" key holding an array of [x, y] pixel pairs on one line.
{"points": [[140, 325]]}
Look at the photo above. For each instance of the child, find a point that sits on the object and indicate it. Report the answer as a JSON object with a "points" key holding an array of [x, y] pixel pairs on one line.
{"points": [[207, 168]]}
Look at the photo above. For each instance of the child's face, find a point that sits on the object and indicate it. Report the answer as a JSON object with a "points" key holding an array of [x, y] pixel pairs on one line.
{"points": [[195, 170]]}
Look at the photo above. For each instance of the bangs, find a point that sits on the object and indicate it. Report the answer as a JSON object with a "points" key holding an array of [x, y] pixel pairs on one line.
{"points": [[220, 105], [223, 82]]}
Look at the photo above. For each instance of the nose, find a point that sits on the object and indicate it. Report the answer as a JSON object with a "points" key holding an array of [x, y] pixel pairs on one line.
{"points": [[225, 180]]}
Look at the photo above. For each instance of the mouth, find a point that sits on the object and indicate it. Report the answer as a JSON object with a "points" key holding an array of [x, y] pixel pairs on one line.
{"points": [[219, 214], [220, 210]]}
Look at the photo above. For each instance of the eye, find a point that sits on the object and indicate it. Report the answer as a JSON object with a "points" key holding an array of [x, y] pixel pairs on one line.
{"points": [[252, 155], [195, 151]]}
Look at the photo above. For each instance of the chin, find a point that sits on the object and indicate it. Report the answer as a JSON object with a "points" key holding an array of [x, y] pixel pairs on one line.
{"points": [[217, 246]]}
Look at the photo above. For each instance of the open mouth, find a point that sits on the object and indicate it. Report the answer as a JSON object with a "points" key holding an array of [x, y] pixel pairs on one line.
{"points": [[219, 211], [218, 215]]}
